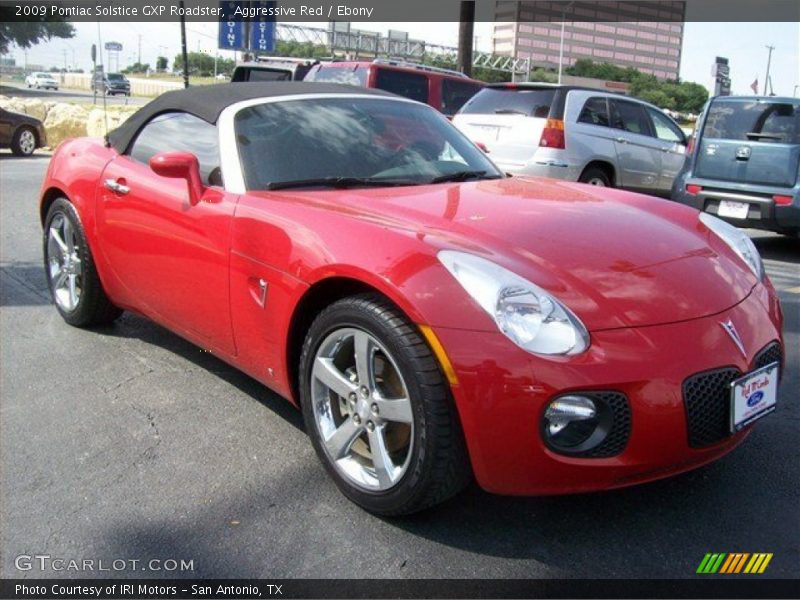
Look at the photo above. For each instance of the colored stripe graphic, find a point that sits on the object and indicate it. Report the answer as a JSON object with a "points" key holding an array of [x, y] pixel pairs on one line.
{"points": [[758, 564], [711, 563], [734, 563]]}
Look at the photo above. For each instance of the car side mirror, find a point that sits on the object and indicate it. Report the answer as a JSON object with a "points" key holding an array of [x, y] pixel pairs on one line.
{"points": [[180, 165]]}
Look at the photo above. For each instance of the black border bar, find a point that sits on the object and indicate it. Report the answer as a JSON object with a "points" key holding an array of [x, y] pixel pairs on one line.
{"points": [[365, 11], [711, 586]]}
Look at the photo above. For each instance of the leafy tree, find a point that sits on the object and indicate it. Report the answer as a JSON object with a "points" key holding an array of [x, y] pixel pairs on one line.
{"points": [[202, 64], [161, 64], [674, 95], [137, 67], [26, 34]]}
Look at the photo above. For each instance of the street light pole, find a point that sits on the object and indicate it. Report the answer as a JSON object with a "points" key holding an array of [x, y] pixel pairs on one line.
{"points": [[769, 60], [561, 44], [184, 51]]}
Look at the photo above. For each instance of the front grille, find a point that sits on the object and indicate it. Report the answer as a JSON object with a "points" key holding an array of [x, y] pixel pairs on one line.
{"points": [[767, 356], [707, 399]]}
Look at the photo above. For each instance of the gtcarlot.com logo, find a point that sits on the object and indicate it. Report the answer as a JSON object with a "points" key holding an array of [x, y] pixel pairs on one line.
{"points": [[734, 563]]}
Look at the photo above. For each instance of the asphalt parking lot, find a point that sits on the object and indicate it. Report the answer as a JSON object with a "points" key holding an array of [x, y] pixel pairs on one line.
{"points": [[130, 443]]}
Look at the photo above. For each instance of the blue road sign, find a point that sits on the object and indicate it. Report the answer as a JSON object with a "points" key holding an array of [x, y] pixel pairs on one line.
{"points": [[231, 33], [262, 29]]}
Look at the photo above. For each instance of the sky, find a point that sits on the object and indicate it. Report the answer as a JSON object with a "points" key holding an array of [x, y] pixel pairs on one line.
{"points": [[744, 44]]}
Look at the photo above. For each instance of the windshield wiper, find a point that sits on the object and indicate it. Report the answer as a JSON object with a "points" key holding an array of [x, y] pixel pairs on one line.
{"points": [[463, 176], [339, 182], [766, 136], [510, 111]]}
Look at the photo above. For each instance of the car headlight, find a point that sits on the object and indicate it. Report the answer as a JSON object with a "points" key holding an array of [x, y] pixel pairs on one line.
{"points": [[529, 316], [739, 242]]}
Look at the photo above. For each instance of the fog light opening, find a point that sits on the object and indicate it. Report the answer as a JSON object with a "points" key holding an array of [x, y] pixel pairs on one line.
{"points": [[575, 424]]}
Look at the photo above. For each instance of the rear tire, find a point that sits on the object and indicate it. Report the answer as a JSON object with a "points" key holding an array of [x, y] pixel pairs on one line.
{"points": [[72, 278], [402, 456], [595, 176]]}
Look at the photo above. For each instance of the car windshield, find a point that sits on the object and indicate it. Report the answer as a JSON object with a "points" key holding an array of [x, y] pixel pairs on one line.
{"points": [[762, 121], [347, 142], [115, 77]]}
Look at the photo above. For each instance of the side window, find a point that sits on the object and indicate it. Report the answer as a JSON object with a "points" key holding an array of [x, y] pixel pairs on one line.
{"points": [[630, 117], [456, 93], [410, 85], [664, 127], [181, 132], [595, 112]]}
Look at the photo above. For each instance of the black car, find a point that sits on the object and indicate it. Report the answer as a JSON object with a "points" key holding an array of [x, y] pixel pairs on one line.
{"points": [[112, 84], [21, 133]]}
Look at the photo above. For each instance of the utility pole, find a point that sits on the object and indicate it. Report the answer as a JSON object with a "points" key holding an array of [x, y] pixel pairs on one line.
{"points": [[466, 30], [139, 60], [769, 60], [64, 51], [184, 51]]}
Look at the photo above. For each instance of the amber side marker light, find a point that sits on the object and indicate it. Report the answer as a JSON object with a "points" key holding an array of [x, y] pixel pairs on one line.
{"points": [[441, 355]]}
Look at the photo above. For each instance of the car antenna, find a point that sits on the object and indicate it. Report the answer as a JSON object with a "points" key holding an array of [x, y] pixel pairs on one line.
{"points": [[94, 80]]}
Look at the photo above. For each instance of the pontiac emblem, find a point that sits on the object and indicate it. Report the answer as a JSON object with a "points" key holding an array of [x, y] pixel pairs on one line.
{"points": [[730, 329]]}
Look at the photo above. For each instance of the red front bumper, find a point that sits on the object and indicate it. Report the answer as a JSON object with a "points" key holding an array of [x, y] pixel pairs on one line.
{"points": [[503, 392]]}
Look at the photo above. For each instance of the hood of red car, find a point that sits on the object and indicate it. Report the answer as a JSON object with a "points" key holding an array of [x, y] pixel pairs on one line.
{"points": [[617, 259]]}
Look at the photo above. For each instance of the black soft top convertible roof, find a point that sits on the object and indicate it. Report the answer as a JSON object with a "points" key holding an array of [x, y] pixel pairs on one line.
{"points": [[208, 101]]}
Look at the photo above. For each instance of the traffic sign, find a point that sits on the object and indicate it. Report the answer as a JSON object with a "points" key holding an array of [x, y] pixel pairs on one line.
{"points": [[231, 32], [262, 28], [113, 46]]}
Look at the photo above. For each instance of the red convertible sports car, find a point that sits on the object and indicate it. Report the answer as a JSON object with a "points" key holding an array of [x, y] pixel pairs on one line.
{"points": [[434, 319]]}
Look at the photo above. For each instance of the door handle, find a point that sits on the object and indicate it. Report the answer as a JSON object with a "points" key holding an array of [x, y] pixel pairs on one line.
{"points": [[115, 186], [665, 150], [621, 140]]}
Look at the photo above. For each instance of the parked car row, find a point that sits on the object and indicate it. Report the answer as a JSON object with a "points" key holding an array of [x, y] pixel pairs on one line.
{"points": [[445, 90], [743, 161]]}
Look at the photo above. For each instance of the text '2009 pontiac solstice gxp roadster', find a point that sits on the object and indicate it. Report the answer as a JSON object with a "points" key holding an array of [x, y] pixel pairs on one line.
{"points": [[434, 319]]}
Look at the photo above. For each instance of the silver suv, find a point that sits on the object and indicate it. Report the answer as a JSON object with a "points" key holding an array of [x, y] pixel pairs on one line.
{"points": [[577, 134]]}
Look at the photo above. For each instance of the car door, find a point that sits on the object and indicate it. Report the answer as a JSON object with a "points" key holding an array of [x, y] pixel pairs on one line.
{"points": [[6, 128], [638, 151], [172, 257], [672, 142]]}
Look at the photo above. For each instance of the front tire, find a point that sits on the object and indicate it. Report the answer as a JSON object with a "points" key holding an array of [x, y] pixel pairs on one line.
{"points": [[71, 275], [24, 141], [378, 410]]}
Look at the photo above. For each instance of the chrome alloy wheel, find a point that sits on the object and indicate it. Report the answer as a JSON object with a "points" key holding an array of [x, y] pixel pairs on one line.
{"points": [[27, 141], [64, 263], [362, 409], [596, 181]]}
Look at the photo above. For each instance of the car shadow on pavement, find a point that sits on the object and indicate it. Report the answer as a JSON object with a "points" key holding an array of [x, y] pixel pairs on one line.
{"points": [[26, 284], [777, 247], [135, 327]]}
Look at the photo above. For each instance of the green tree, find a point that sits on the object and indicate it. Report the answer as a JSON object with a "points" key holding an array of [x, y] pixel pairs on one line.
{"points": [[202, 64], [674, 95], [137, 68], [26, 34], [161, 64]]}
